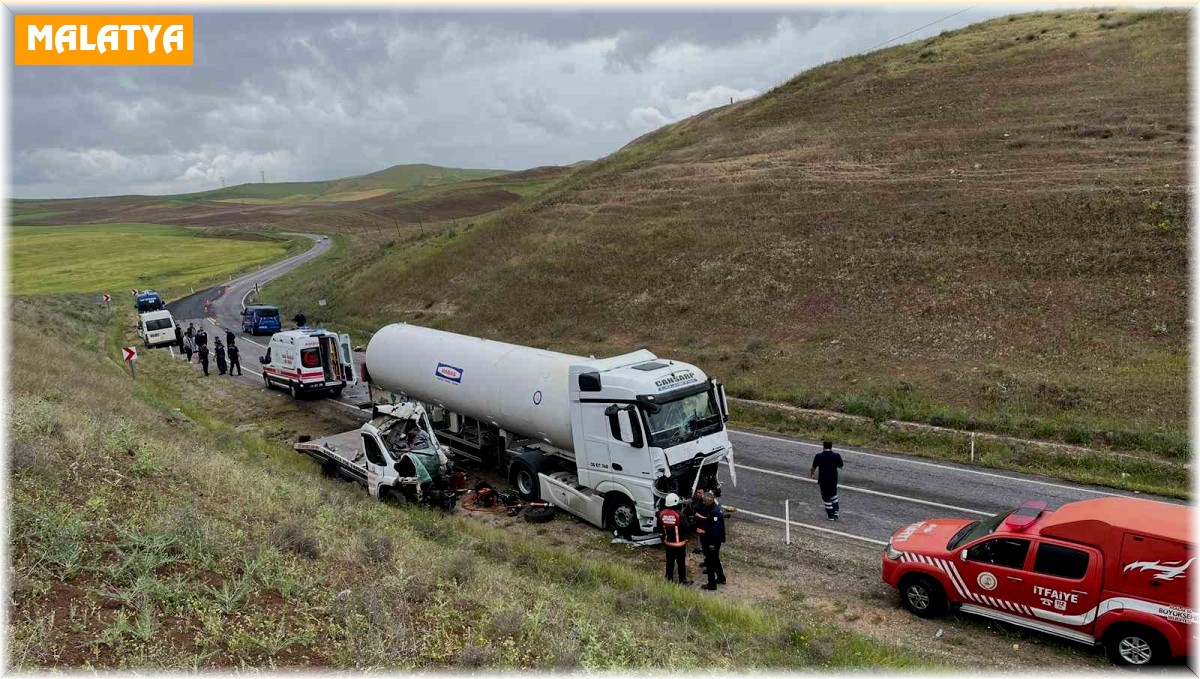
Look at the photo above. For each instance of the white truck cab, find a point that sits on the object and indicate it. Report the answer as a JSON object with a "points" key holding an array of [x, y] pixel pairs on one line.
{"points": [[156, 328], [308, 360], [604, 439]]}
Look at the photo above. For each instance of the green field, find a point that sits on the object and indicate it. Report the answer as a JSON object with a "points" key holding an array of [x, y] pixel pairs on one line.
{"points": [[115, 258]]}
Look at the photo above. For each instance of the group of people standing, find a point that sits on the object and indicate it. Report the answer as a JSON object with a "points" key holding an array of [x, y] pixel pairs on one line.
{"points": [[707, 519], [195, 341]]}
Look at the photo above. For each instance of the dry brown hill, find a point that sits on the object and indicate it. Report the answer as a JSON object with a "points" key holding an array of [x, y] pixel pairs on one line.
{"points": [[986, 228]]}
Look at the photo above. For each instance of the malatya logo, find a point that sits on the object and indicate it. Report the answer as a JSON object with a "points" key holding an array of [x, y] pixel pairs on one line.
{"points": [[103, 40]]}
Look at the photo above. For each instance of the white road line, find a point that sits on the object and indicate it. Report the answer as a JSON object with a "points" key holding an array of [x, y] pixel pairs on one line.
{"points": [[812, 527], [932, 464], [868, 491]]}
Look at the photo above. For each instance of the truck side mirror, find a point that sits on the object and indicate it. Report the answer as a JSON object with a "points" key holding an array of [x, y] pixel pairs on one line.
{"points": [[722, 402], [624, 426]]}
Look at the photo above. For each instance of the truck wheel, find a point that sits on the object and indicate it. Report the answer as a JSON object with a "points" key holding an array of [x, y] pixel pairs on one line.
{"points": [[539, 514], [293, 391], [622, 517], [337, 393], [1135, 646], [525, 480], [923, 596], [393, 495]]}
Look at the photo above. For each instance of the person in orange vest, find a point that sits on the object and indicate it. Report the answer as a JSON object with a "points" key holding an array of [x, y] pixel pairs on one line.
{"points": [[674, 539]]}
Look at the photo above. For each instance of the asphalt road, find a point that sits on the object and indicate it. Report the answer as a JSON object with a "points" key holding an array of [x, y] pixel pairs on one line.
{"points": [[879, 492]]}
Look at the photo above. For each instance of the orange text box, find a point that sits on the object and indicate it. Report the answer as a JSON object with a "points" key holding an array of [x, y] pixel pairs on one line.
{"points": [[102, 40]]}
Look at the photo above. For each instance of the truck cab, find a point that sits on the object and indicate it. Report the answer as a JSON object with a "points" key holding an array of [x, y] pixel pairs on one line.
{"points": [[1111, 571], [642, 428], [309, 360], [384, 457]]}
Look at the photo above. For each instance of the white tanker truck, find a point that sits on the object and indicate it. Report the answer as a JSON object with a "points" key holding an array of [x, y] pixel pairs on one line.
{"points": [[603, 439]]}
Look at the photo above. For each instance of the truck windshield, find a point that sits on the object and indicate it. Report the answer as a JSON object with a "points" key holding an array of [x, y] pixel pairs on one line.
{"points": [[158, 324], [684, 419], [975, 530]]}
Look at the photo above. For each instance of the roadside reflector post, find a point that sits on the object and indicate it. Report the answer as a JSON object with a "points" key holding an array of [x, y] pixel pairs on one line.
{"points": [[787, 522], [972, 446]]}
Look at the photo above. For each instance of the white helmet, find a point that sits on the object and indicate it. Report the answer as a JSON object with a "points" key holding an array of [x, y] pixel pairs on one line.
{"points": [[672, 500]]}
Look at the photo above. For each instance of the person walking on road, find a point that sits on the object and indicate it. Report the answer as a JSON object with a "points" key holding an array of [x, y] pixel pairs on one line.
{"points": [[235, 360], [229, 337], [674, 538], [711, 539], [188, 347], [202, 351], [179, 337], [825, 466], [219, 352], [201, 339]]}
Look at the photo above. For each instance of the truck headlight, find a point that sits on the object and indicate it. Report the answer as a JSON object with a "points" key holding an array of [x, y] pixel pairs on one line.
{"points": [[893, 553]]}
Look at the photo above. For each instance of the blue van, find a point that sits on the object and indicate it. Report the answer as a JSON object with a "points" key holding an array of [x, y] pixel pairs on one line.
{"points": [[260, 319], [148, 301]]}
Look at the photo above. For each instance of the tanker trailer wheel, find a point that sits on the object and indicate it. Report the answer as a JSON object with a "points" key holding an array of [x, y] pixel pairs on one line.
{"points": [[620, 515], [524, 478]]}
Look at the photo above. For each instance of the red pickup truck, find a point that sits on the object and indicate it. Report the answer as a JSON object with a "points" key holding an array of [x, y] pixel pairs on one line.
{"points": [[1111, 571]]}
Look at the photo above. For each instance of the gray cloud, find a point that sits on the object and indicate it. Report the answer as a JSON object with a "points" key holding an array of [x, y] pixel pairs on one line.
{"points": [[319, 95]]}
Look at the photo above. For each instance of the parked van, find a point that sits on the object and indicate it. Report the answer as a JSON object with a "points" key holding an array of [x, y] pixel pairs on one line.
{"points": [[260, 319], [157, 328], [149, 301], [1111, 571], [309, 360]]}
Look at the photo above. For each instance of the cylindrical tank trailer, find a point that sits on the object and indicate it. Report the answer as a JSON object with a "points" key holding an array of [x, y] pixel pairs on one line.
{"points": [[518, 389]]}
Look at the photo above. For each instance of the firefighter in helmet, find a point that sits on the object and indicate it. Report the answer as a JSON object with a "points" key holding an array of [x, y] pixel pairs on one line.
{"points": [[674, 538]]}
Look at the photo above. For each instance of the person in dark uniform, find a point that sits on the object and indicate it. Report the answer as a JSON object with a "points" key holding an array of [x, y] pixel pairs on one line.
{"points": [[235, 360], [711, 540], [697, 517], [219, 352], [201, 339], [674, 538], [179, 337], [301, 320], [825, 467], [229, 337], [202, 351]]}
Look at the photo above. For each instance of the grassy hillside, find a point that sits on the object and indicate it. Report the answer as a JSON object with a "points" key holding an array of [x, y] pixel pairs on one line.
{"points": [[986, 229], [119, 257], [149, 533]]}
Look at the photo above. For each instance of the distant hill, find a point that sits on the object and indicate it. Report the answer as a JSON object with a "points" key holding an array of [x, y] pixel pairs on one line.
{"points": [[402, 194], [987, 228], [395, 178]]}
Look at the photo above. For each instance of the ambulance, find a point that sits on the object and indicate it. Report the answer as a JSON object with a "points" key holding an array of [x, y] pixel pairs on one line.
{"points": [[309, 360], [1112, 572]]}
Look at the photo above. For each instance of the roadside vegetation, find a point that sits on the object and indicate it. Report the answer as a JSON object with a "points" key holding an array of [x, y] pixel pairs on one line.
{"points": [[986, 230], [116, 258], [147, 532]]}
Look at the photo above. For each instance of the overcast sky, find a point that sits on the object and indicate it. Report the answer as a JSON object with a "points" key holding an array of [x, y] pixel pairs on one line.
{"points": [[326, 95]]}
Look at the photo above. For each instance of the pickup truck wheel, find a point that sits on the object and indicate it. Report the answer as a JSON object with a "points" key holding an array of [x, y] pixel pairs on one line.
{"points": [[525, 480], [622, 516], [293, 391], [1135, 646], [923, 596], [539, 514]]}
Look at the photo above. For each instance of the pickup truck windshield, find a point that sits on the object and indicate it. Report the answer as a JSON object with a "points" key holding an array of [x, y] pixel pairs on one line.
{"points": [[684, 419], [158, 324], [976, 530]]}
